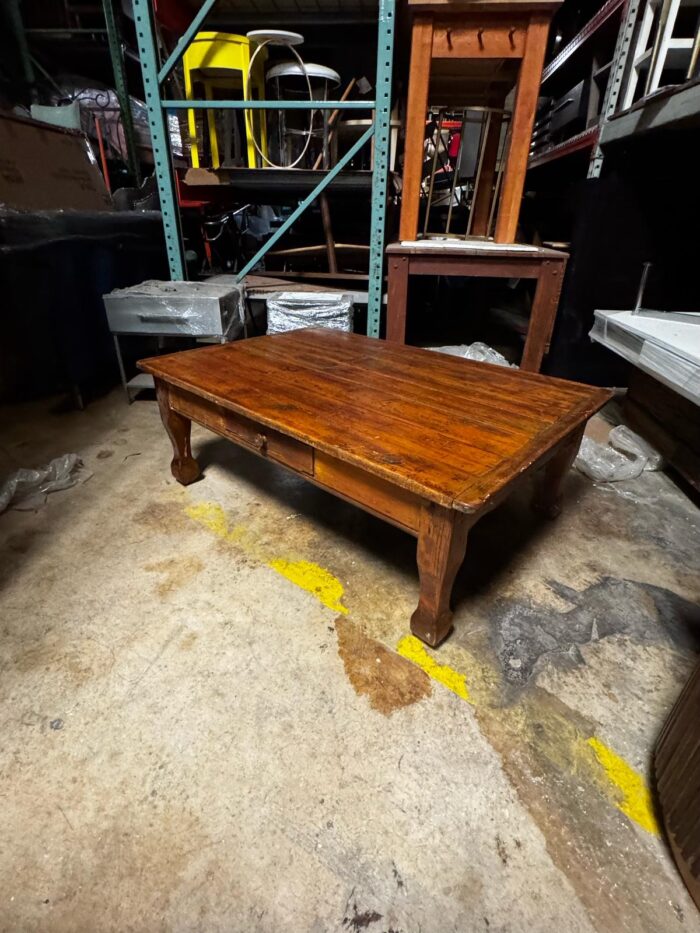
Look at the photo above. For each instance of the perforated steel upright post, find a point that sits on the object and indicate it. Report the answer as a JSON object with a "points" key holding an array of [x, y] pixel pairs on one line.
{"points": [[158, 124], [382, 148], [618, 71], [116, 53]]}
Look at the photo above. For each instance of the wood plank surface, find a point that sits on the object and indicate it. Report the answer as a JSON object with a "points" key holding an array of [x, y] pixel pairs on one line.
{"points": [[464, 248], [450, 430]]}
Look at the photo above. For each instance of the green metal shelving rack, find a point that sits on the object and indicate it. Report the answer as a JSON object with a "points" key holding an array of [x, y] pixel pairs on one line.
{"points": [[158, 107]]}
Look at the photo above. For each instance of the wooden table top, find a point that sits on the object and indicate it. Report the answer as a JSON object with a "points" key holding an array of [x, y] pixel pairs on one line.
{"points": [[451, 430]]}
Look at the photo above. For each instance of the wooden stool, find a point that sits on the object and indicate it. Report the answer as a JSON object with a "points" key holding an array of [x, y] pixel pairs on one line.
{"points": [[221, 60], [486, 261], [478, 49]]}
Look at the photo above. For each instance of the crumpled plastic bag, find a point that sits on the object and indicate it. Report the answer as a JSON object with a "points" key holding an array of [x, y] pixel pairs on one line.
{"points": [[627, 442], [27, 489], [625, 456], [478, 351]]}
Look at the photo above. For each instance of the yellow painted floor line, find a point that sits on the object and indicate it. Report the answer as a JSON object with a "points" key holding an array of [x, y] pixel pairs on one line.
{"points": [[414, 650], [211, 516], [627, 787], [316, 580], [636, 800]]}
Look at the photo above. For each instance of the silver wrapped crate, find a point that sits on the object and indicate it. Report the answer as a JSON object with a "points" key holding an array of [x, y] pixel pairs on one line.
{"points": [[194, 309], [292, 310]]}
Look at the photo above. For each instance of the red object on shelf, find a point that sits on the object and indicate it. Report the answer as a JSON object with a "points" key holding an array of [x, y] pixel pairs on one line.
{"points": [[174, 15], [455, 143]]}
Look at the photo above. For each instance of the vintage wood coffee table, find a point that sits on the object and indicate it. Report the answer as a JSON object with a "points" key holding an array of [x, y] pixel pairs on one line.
{"points": [[426, 441]]}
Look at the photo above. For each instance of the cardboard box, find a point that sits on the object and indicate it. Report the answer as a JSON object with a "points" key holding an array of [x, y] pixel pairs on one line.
{"points": [[43, 167]]}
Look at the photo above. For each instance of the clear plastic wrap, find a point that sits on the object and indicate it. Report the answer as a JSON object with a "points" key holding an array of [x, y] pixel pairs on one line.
{"points": [[27, 489], [196, 309], [480, 352], [99, 99], [627, 442], [625, 456], [293, 310]]}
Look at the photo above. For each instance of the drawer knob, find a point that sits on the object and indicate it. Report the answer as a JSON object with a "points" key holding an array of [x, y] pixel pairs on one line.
{"points": [[260, 442]]}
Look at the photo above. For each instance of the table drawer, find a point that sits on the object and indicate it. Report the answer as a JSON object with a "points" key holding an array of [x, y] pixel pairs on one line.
{"points": [[195, 309], [264, 441]]}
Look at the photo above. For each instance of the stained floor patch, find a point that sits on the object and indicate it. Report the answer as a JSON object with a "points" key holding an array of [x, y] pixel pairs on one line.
{"points": [[389, 681], [547, 755], [162, 516], [79, 660], [175, 572], [528, 633]]}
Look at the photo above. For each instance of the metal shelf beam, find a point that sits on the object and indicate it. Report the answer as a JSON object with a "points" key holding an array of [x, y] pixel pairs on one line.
{"points": [[591, 27], [185, 40], [267, 104], [584, 140], [154, 76], [308, 200]]}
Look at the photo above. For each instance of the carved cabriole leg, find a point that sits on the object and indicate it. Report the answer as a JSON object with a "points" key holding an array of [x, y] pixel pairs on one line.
{"points": [[442, 541], [184, 467], [548, 483]]}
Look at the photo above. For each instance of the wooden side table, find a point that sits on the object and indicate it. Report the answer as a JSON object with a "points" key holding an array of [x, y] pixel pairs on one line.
{"points": [[488, 261], [475, 52]]}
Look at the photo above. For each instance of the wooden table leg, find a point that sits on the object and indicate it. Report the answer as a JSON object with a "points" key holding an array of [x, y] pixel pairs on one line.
{"points": [[442, 542], [548, 484], [481, 205], [184, 467], [542, 314], [397, 299], [416, 111], [521, 129]]}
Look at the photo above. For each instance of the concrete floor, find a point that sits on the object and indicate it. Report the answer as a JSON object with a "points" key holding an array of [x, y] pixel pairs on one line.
{"points": [[212, 717]]}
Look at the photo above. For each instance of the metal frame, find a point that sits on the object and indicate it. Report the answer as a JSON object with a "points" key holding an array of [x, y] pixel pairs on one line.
{"points": [[617, 74], [153, 77], [487, 114], [596, 21], [116, 52]]}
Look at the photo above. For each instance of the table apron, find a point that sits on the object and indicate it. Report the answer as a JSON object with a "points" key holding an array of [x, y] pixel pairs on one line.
{"points": [[484, 268], [375, 495], [268, 443]]}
